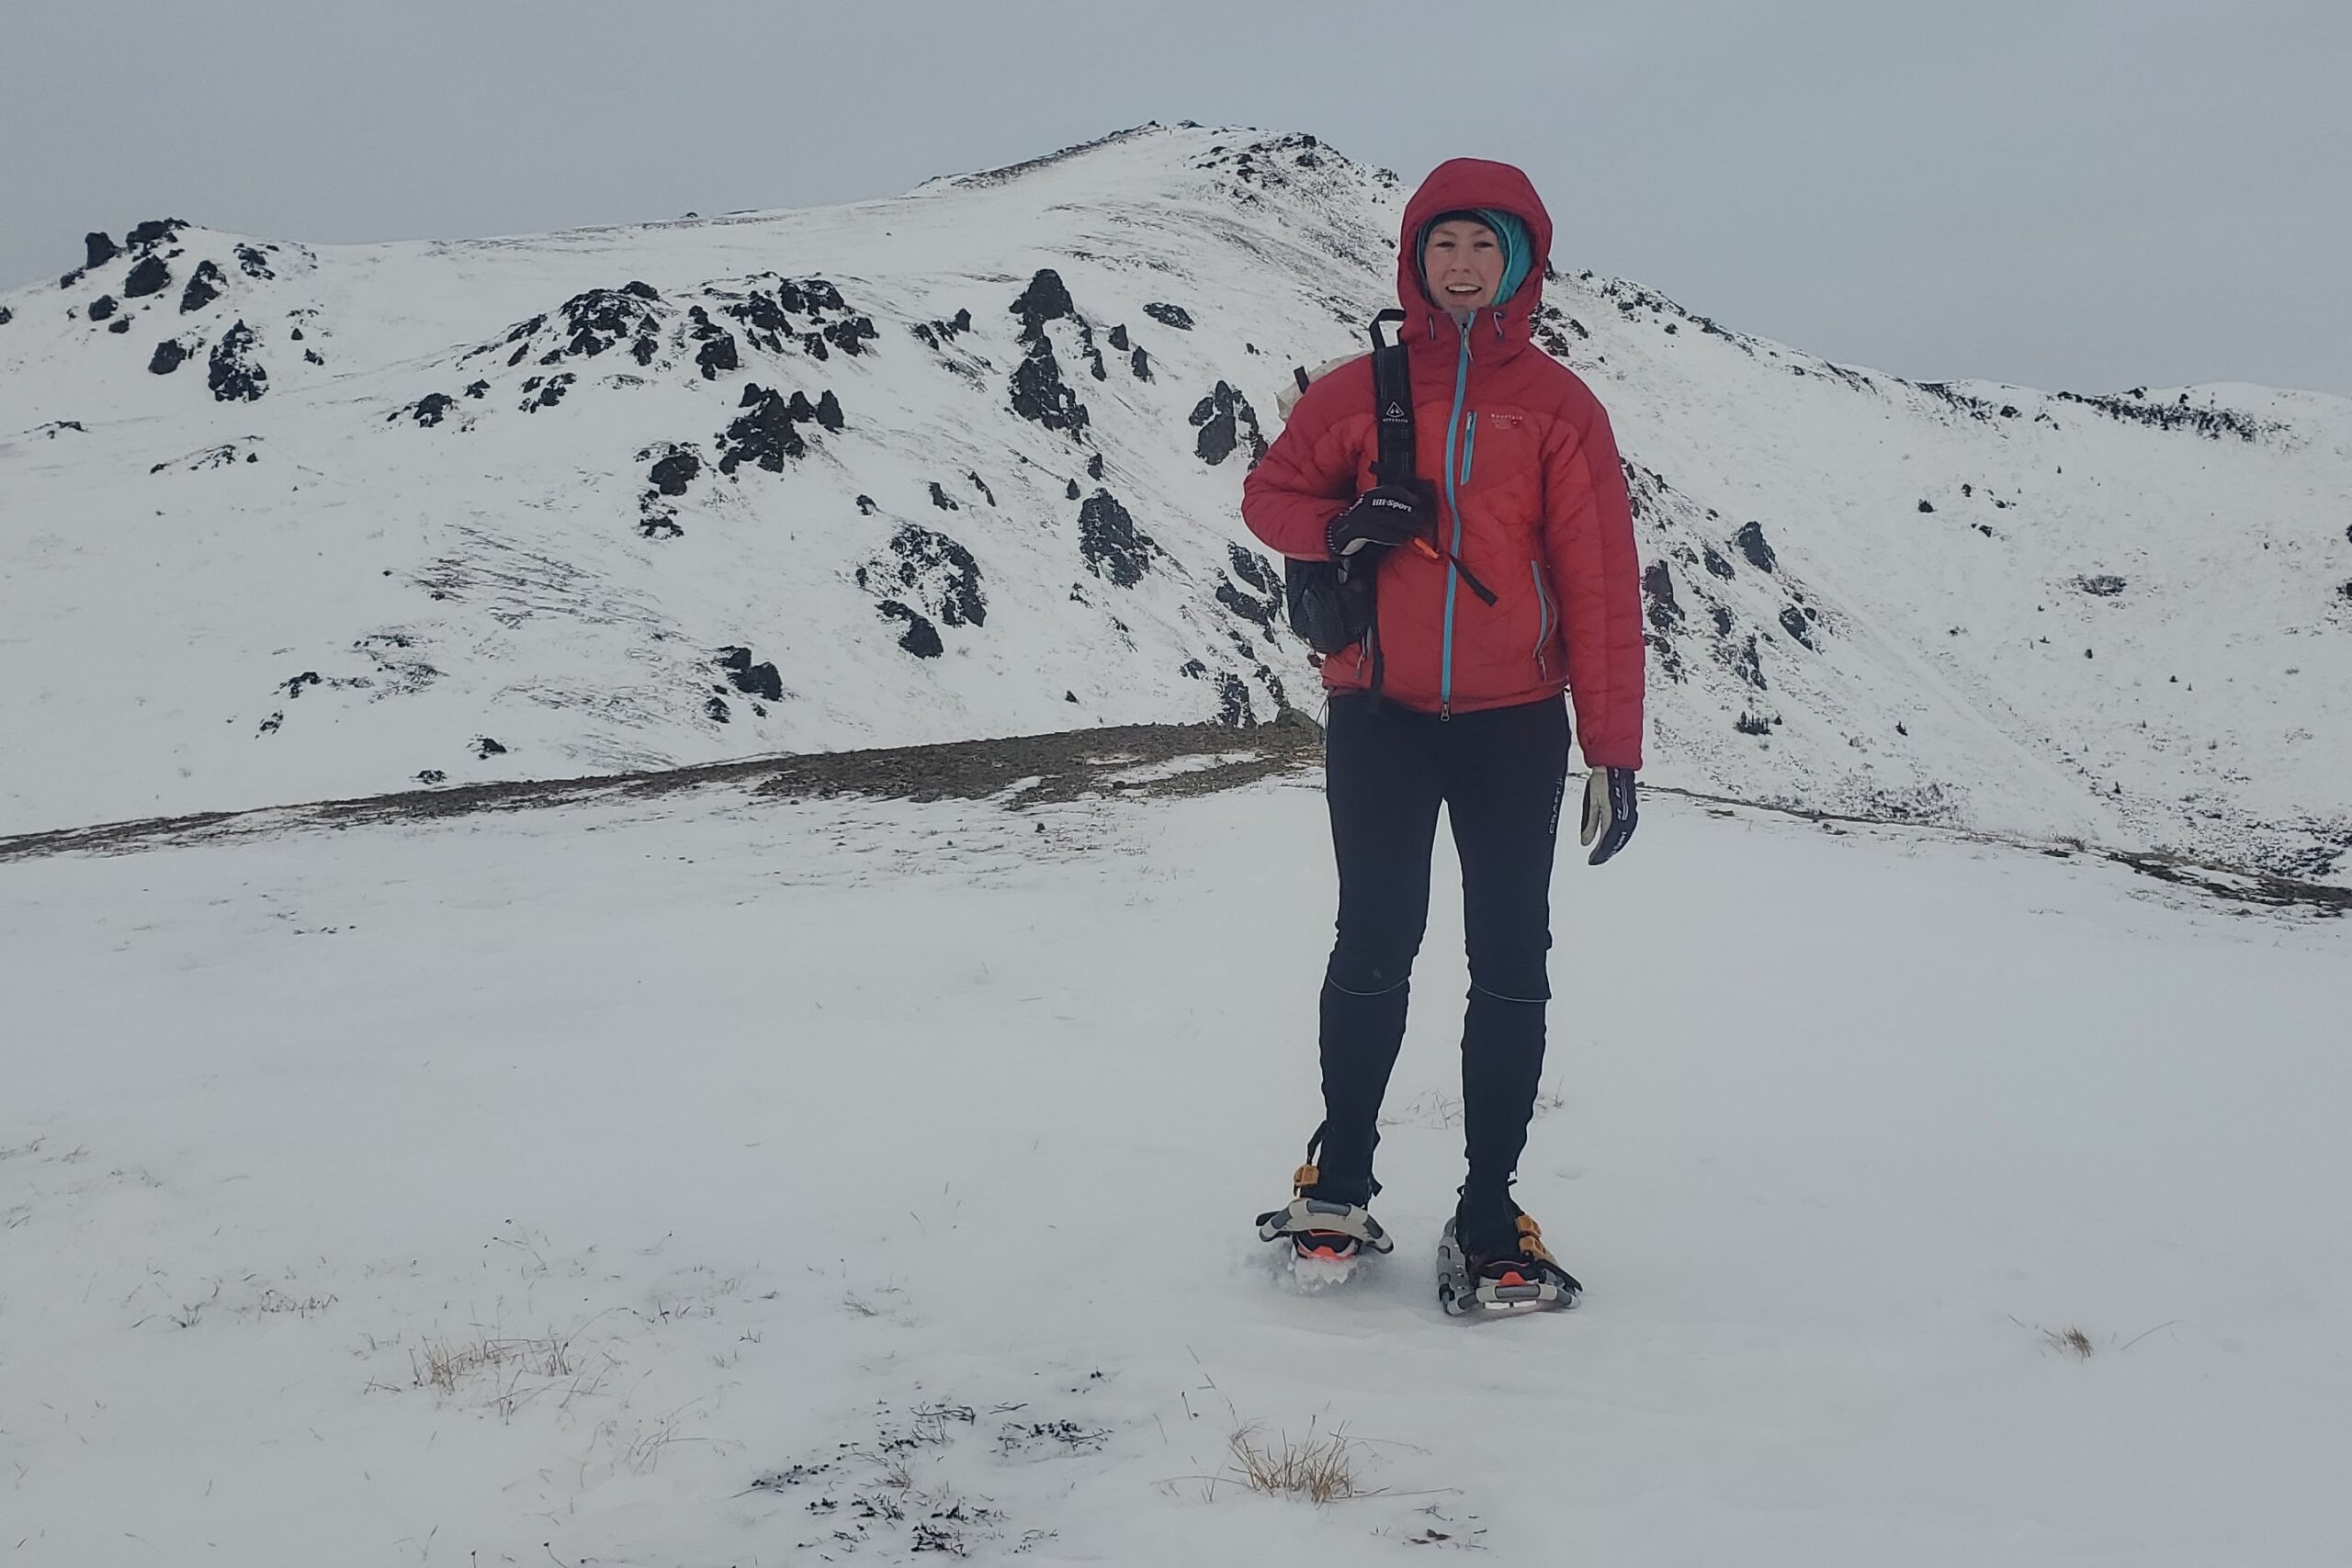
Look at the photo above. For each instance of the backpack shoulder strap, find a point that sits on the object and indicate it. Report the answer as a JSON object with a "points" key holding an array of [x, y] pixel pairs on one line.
{"points": [[1392, 394]]}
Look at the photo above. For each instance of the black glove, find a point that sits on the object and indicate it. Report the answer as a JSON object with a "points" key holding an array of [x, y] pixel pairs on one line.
{"points": [[1610, 811], [1386, 515]]}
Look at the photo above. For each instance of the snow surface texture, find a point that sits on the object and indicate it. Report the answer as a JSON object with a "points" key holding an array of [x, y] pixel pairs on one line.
{"points": [[726, 1180], [280, 522]]}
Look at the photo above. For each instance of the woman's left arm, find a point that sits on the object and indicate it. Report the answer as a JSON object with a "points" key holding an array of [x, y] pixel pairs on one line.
{"points": [[1588, 543]]}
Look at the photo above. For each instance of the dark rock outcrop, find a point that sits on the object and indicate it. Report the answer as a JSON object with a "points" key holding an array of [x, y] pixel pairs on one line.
{"points": [[204, 286], [169, 356], [671, 473], [1045, 300], [765, 436], [431, 409], [149, 276], [752, 680], [102, 306], [234, 375], [1224, 419], [1039, 393], [1110, 542], [1168, 315], [1657, 588], [101, 248], [545, 392], [921, 638], [935, 570], [1751, 540]]}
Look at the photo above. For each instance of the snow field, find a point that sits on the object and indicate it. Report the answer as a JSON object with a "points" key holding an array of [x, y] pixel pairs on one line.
{"points": [[915, 1146]]}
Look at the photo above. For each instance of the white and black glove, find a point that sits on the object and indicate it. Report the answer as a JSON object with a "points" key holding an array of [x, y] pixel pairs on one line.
{"points": [[1611, 812], [1386, 516]]}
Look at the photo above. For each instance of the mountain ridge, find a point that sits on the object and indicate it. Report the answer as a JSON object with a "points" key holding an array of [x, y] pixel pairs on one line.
{"points": [[582, 555]]}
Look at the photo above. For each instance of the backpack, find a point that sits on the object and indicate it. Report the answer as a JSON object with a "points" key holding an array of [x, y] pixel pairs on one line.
{"points": [[1333, 604]]}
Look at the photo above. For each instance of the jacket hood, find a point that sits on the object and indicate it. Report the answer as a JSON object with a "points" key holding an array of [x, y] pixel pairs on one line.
{"points": [[1472, 183]]}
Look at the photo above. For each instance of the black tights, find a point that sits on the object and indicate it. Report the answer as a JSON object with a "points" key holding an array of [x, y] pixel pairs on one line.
{"points": [[1499, 773]]}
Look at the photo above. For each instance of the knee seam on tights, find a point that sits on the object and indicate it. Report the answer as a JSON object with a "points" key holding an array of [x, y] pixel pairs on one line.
{"points": [[1524, 1001], [1384, 990]]}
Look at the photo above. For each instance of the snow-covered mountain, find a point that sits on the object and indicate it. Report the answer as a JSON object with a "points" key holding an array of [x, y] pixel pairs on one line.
{"points": [[279, 522]]}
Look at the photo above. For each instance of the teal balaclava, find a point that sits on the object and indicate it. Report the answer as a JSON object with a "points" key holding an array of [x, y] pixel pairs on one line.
{"points": [[1518, 260]]}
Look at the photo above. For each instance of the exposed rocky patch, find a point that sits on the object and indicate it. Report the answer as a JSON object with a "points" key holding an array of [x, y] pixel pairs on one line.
{"points": [[921, 638], [1751, 543], [934, 571], [1226, 421], [102, 306], [2106, 585], [204, 286], [546, 392], [674, 467], [1041, 396], [1045, 300], [428, 411], [1113, 546], [1259, 599], [938, 333], [767, 434], [717, 355], [1798, 624], [1743, 659], [254, 263], [602, 318], [169, 356], [753, 680], [101, 250], [149, 276], [2213, 423], [1168, 315], [1664, 611], [236, 375]]}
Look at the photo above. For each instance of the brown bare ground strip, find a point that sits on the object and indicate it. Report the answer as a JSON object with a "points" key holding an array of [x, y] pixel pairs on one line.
{"points": [[1049, 768]]}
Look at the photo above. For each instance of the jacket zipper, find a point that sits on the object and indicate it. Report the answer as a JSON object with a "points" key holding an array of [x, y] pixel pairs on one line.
{"points": [[1543, 630], [1452, 504]]}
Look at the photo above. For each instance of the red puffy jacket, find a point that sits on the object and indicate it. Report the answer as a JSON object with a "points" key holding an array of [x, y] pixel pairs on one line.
{"points": [[1530, 501]]}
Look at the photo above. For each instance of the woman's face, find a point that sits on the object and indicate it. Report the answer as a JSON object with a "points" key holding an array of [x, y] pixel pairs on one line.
{"points": [[1463, 265]]}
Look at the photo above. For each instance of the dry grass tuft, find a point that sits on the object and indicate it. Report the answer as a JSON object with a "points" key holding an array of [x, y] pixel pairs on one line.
{"points": [[1320, 1467], [2071, 1341], [445, 1364]]}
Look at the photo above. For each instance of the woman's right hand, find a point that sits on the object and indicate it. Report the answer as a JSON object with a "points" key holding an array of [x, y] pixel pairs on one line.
{"points": [[1386, 516]]}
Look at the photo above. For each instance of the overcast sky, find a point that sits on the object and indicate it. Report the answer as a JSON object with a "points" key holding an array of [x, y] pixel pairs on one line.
{"points": [[2080, 193]]}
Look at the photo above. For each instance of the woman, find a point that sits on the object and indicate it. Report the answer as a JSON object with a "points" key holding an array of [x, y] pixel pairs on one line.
{"points": [[1507, 578]]}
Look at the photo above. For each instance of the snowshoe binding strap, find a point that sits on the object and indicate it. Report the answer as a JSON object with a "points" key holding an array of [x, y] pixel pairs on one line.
{"points": [[1311, 1223]]}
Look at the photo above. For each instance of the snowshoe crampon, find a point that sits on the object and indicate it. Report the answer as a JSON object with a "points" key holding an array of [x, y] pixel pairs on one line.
{"points": [[1321, 1229], [1528, 1279], [1327, 1237]]}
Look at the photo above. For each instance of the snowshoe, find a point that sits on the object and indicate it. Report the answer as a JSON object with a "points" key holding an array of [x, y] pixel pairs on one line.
{"points": [[1328, 1235], [1522, 1275]]}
